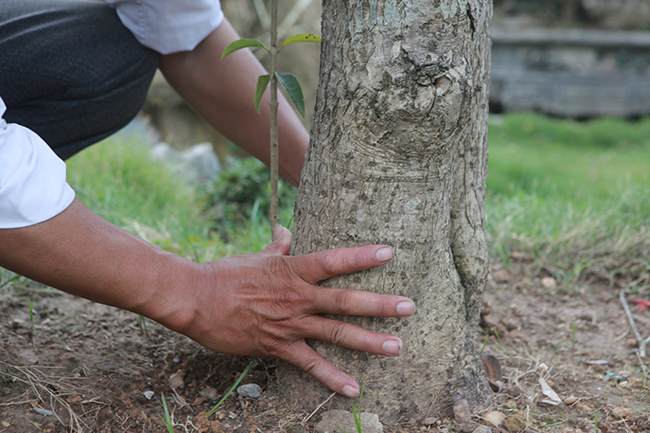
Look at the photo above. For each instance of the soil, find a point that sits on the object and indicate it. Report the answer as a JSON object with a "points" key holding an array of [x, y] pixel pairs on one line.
{"points": [[87, 367]]}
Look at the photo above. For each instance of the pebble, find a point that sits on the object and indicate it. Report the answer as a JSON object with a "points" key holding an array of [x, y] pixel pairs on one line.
{"points": [[251, 390], [333, 421], [483, 429], [176, 380], [571, 400], [549, 283], [429, 421], [43, 412], [515, 423], [148, 395], [495, 418], [208, 393]]}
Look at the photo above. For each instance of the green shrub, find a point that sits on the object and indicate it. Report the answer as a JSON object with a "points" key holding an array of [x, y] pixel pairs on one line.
{"points": [[241, 194]]}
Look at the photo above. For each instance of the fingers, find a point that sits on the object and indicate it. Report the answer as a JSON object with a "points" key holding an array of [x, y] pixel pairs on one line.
{"points": [[353, 337], [358, 303], [322, 265], [306, 358]]}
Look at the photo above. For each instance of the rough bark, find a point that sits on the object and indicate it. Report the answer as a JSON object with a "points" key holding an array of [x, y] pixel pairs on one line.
{"points": [[398, 156]]}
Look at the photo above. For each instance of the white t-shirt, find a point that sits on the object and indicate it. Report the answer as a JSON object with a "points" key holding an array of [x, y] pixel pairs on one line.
{"points": [[33, 188]]}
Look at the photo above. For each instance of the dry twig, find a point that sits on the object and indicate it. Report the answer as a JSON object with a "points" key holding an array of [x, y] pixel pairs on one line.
{"points": [[642, 343]]}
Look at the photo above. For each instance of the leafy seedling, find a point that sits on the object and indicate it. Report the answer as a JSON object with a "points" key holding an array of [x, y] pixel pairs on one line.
{"points": [[290, 84]]}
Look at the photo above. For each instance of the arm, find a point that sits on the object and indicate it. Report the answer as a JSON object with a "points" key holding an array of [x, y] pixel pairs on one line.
{"points": [[222, 92], [263, 304]]}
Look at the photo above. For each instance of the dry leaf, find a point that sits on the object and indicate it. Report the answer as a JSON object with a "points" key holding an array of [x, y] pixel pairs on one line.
{"points": [[553, 398]]}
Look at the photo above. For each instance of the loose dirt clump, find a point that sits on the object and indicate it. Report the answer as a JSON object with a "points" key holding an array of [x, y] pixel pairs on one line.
{"points": [[80, 366]]}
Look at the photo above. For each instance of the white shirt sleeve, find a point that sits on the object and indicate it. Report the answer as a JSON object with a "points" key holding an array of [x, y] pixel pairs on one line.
{"points": [[169, 26], [33, 188]]}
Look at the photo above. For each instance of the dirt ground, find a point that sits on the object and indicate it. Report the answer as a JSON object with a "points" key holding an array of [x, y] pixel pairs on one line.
{"points": [[90, 368]]}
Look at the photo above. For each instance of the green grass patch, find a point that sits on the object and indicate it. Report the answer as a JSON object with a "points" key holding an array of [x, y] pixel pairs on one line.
{"points": [[572, 194], [119, 180]]}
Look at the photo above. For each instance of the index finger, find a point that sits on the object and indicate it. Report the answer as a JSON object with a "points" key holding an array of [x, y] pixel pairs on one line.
{"points": [[322, 265]]}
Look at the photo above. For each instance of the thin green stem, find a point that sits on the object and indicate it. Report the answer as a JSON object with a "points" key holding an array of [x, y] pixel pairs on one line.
{"points": [[274, 116], [232, 388]]}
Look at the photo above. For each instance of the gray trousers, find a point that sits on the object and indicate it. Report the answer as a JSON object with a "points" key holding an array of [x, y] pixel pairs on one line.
{"points": [[70, 71]]}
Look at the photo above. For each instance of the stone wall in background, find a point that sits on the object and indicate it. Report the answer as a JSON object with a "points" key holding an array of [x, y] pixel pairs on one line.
{"points": [[594, 14], [560, 57], [574, 73]]}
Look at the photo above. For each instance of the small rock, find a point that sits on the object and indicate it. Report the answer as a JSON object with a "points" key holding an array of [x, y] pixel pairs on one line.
{"points": [[429, 421], [622, 412], [549, 283], [487, 308], [515, 310], [176, 360], [148, 395], [5, 424], [482, 429], [74, 399], [462, 414], [176, 380], [515, 422], [43, 412], [209, 393], [332, 420], [521, 257], [501, 276], [251, 390], [571, 400], [635, 382], [495, 418]]}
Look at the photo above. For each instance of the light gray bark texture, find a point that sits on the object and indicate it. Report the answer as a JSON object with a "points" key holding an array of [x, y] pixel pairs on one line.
{"points": [[398, 156]]}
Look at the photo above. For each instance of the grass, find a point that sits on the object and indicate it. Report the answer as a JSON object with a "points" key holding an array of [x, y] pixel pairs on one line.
{"points": [[120, 181], [572, 194]]}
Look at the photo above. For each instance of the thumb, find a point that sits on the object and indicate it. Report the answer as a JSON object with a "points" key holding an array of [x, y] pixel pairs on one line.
{"points": [[281, 242]]}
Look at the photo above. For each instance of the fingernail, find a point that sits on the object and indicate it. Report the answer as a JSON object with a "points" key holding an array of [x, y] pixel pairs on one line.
{"points": [[278, 231], [405, 308], [391, 347], [384, 254], [350, 391]]}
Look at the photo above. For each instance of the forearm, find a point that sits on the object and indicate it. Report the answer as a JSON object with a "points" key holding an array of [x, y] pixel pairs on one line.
{"points": [[83, 254], [222, 92]]}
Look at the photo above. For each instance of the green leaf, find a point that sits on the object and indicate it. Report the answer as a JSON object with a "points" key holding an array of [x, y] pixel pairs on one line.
{"points": [[242, 43], [292, 86], [302, 37], [262, 84], [232, 388]]}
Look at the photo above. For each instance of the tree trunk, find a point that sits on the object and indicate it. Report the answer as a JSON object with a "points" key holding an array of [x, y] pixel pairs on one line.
{"points": [[398, 156]]}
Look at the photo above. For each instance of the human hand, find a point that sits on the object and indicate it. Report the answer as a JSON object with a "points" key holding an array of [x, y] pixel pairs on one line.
{"points": [[268, 303]]}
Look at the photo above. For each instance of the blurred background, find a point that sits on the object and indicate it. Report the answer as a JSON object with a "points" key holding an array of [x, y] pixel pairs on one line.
{"points": [[569, 141]]}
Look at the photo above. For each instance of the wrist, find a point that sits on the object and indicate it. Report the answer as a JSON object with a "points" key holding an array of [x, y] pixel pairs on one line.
{"points": [[175, 301]]}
